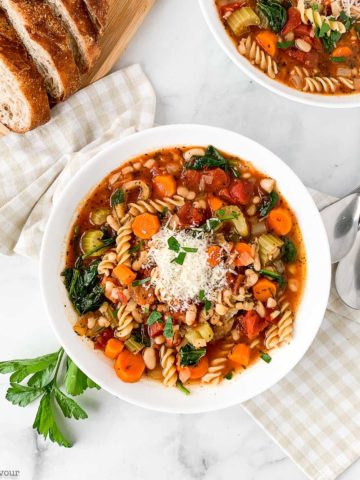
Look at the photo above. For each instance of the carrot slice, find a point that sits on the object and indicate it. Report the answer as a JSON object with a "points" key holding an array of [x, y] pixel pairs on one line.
{"points": [[279, 220], [146, 226], [267, 41], [264, 289], [164, 186], [113, 348], [215, 203], [342, 52], [200, 369], [124, 274], [245, 254], [240, 354], [129, 367], [214, 255]]}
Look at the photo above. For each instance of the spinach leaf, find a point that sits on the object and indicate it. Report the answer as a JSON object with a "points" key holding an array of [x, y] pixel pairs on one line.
{"points": [[276, 276], [83, 287], [190, 356], [141, 336], [117, 197], [329, 42], [268, 203], [274, 12], [211, 159], [168, 329], [289, 251]]}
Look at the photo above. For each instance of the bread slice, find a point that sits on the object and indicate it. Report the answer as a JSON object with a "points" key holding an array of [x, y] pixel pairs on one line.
{"points": [[47, 42], [23, 100], [99, 11], [77, 20]]}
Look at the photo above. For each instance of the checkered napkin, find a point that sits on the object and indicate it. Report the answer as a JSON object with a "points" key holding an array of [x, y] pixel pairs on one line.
{"points": [[34, 167], [313, 413]]}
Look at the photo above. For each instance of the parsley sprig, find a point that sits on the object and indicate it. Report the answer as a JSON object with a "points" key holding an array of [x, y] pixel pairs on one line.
{"points": [[175, 246], [45, 373]]}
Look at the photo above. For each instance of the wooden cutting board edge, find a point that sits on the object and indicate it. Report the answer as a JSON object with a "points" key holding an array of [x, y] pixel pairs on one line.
{"points": [[114, 42]]}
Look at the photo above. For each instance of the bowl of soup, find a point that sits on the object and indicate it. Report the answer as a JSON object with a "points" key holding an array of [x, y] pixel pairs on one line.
{"points": [[305, 51], [181, 270]]}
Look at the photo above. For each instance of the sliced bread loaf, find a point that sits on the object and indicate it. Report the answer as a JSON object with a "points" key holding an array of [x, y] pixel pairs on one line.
{"points": [[77, 20], [23, 100], [98, 10], [47, 42]]}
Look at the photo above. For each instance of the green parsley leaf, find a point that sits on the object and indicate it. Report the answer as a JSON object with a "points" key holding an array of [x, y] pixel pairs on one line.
{"points": [[68, 406], [173, 244], [338, 59], [182, 388], [154, 317], [168, 329], [92, 384], [32, 364], [75, 379], [265, 356], [45, 423], [289, 251], [323, 30], [285, 44], [163, 212], [346, 20], [229, 375], [190, 249], [145, 309], [202, 294], [190, 356], [136, 283], [315, 7], [207, 303], [179, 259], [22, 395], [42, 378], [117, 197], [136, 247]]}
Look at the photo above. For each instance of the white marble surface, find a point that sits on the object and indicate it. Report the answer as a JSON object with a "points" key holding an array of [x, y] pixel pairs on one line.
{"points": [[194, 82]]}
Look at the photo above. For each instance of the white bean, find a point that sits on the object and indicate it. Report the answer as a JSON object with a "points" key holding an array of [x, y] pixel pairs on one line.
{"points": [[192, 152], [190, 315], [149, 357]]}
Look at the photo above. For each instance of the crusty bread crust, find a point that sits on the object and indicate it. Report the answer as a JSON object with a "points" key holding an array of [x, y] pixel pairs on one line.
{"points": [[29, 82], [76, 18], [45, 30], [99, 11]]}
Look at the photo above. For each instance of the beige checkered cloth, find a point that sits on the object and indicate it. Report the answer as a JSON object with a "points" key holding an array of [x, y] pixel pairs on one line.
{"points": [[34, 167], [312, 413]]}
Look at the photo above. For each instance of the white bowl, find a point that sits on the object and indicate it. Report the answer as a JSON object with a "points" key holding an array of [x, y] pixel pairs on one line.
{"points": [[212, 18], [152, 394]]}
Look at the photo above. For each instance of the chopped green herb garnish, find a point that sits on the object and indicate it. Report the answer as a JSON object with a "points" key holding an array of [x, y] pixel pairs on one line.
{"points": [[136, 283], [229, 375], [207, 303], [289, 251], [168, 329], [181, 387], [265, 356], [315, 7], [154, 317], [325, 27], [145, 309], [285, 44], [117, 197], [338, 59], [163, 212], [346, 20], [190, 356], [202, 294], [136, 247], [173, 244], [190, 250], [276, 276], [179, 259]]}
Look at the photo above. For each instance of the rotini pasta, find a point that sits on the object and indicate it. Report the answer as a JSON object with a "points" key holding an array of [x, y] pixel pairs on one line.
{"points": [[154, 206], [108, 262], [250, 49], [167, 360], [314, 17], [125, 320], [217, 365], [123, 244]]}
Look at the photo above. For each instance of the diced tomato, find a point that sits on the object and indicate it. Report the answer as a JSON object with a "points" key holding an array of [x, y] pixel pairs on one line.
{"points": [[102, 339], [231, 7], [214, 180], [156, 329], [225, 194], [294, 19], [303, 30], [309, 59], [191, 180], [252, 324], [190, 216], [241, 191]]}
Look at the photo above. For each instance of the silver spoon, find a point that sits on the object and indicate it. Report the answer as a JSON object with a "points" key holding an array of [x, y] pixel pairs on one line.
{"points": [[341, 220], [347, 277]]}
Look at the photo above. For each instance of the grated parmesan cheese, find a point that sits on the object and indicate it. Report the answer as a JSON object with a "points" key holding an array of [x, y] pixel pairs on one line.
{"points": [[180, 285]]}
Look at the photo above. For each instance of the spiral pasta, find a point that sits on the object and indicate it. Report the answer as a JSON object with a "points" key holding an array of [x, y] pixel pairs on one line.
{"points": [[250, 49], [167, 361], [155, 206], [125, 320], [313, 17], [108, 263], [217, 364], [123, 238], [271, 337], [285, 325], [320, 84]]}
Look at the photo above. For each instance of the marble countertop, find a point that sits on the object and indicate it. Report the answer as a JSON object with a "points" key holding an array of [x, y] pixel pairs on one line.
{"points": [[195, 83]]}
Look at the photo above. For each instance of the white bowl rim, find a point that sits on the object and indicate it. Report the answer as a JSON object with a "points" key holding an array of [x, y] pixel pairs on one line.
{"points": [[216, 397], [210, 14]]}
